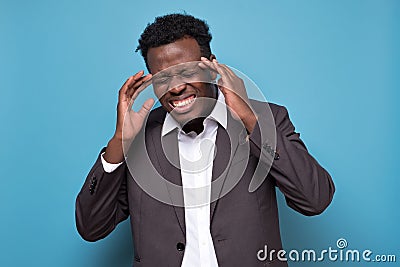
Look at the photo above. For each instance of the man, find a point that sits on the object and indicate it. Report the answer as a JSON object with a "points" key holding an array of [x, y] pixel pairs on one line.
{"points": [[149, 170]]}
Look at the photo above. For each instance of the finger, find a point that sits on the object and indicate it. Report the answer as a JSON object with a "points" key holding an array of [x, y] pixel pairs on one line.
{"points": [[135, 83], [124, 87], [220, 70], [224, 88], [145, 83], [133, 78], [134, 87], [209, 70], [203, 66], [128, 82], [206, 64], [227, 69], [215, 66]]}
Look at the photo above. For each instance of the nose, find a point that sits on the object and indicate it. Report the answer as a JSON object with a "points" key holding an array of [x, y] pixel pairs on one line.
{"points": [[177, 89]]}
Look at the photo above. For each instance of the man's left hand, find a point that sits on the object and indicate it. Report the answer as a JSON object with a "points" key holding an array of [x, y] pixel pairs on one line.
{"points": [[234, 92]]}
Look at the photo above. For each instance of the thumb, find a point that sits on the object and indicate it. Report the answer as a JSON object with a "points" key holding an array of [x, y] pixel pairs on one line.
{"points": [[146, 107], [221, 86]]}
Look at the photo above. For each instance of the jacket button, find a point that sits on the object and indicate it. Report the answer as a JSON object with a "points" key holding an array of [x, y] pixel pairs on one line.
{"points": [[180, 246]]}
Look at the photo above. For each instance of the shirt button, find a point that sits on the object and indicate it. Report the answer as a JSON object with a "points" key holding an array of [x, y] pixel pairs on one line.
{"points": [[180, 246]]}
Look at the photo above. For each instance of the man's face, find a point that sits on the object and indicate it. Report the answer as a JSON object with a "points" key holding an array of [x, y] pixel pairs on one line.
{"points": [[179, 83]]}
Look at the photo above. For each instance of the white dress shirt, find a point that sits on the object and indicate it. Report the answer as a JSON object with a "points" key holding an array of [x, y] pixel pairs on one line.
{"points": [[196, 155]]}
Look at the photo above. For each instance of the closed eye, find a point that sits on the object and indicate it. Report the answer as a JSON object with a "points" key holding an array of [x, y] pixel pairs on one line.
{"points": [[160, 80], [188, 74]]}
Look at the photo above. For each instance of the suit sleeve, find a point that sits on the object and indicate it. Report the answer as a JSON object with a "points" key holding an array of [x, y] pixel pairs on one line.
{"points": [[102, 202], [307, 186]]}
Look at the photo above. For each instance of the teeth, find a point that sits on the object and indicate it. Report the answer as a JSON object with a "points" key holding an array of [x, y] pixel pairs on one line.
{"points": [[184, 102]]}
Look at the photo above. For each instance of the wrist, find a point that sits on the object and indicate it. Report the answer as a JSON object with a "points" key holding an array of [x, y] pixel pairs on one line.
{"points": [[250, 126], [250, 121], [117, 136]]}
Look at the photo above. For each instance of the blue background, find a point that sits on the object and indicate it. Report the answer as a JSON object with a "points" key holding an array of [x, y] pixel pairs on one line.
{"points": [[334, 64]]}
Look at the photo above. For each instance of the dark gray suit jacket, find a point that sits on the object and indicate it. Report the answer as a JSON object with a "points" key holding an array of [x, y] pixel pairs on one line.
{"points": [[242, 222]]}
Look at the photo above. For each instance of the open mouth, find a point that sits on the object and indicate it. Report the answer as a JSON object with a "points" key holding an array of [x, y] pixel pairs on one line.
{"points": [[184, 104]]}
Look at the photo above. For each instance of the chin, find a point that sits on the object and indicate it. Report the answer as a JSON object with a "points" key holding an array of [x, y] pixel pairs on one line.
{"points": [[186, 117]]}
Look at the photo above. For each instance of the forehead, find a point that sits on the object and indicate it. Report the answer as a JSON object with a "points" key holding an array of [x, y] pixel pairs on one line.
{"points": [[180, 51]]}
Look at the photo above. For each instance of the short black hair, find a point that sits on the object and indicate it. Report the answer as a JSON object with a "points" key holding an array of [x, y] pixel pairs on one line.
{"points": [[172, 27]]}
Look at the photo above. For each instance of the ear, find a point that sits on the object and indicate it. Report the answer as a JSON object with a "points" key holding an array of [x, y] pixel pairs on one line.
{"points": [[213, 74]]}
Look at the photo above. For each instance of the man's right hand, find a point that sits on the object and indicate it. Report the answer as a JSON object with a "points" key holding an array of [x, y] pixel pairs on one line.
{"points": [[129, 122]]}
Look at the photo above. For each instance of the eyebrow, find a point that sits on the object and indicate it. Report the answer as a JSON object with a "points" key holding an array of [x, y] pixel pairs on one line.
{"points": [[162, 75]]}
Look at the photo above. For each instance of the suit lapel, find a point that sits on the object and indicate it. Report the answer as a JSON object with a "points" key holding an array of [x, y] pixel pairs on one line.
{"points": [[231, 148], [167, 151]]}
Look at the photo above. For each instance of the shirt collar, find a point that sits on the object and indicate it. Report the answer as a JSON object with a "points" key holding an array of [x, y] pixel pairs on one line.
{"points": [[218, 114]]}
